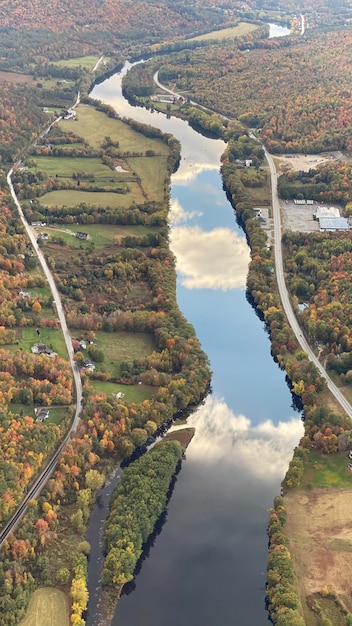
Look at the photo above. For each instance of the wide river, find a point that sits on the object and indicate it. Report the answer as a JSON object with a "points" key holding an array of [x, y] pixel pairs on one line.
{"points": [[207, 567]]}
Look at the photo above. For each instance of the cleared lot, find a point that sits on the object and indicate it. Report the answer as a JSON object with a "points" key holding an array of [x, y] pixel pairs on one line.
{"points": [[299, 217]]}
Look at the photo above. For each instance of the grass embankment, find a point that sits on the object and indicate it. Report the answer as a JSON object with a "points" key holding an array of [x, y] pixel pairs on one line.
{"points": [[48, 607]]}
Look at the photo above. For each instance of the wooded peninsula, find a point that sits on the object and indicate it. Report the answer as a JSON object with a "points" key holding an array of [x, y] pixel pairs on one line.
{"points": [[95, 190]]}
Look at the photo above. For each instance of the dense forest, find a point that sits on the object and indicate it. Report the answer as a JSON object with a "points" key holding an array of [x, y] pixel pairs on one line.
{"points": [[302, 106]]}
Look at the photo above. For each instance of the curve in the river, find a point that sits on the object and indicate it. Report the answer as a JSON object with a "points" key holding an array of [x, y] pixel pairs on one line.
{"points": [[208, 565]]}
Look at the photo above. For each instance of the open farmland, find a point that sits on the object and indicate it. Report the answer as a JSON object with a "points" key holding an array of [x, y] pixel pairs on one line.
{"points": [[319, 526], [93, 126], [226, 33], [151, 172], [66, 166], [71, 197], [48, 607], [87, 62]]}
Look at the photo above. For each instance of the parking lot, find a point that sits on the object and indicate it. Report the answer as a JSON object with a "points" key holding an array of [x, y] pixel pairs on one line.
{"points": [[299, 217]]}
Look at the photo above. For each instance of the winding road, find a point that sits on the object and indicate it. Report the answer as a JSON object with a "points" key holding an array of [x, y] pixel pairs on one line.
{"points": [[46, 473]]}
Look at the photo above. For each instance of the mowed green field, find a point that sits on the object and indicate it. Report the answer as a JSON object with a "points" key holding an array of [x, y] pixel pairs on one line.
{"points": [[94, 125], [151, 171], [48, 607], [50, 336], [88, 61], [227, 33], [121, 346], [100, 234], [71, 197], [66, 166], [132, 393]]}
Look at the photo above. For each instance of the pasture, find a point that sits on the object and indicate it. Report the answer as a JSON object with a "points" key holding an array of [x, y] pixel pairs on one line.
{"points": [[73, 197], [88, 62], [122, 346], [132, 393], [66, 166], [48, 607], [125, 346], [152, 173], [94, 125], [226, 33], [100, 234]]}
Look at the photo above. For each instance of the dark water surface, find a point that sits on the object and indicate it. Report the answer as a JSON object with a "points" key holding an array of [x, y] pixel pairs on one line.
{"points": [[207, 567]]}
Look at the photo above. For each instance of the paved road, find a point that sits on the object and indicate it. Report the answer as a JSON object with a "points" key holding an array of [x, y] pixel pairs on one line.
{"points": [[45, 475], [286, 303]]}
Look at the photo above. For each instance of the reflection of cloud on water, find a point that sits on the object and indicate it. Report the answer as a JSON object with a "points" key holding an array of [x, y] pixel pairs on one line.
{"points": [[262, 451], [216, 259], [178, 214], [188, 172]]}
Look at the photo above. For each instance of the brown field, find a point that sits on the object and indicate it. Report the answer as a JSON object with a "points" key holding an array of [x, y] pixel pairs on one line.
{"points": [[15, 79], [184, 436], [305, 162], [319, 525], [48, 607]]}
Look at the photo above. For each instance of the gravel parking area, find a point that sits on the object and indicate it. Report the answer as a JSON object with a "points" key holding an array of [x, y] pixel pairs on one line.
{"points": [[299, 217]]}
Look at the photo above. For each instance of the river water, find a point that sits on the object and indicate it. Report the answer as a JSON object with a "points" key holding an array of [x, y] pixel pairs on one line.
{"points": [[207, 567]]}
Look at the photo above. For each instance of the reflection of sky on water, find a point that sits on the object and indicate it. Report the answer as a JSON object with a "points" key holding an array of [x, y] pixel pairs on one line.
{"points": [[209, 560], [188, 172], [207, 567], [208, 255], [220, 434], [216, 259]]}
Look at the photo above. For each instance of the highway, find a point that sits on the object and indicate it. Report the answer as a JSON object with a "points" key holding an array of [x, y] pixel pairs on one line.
{"points": [[280, 276], [284, 295], [46, 473]]}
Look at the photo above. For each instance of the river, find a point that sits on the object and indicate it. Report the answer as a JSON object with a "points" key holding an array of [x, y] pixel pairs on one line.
{"points": [[207, 567]]}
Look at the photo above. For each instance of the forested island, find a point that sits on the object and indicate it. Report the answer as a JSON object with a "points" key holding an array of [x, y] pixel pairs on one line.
{"points": [[95, 190]]}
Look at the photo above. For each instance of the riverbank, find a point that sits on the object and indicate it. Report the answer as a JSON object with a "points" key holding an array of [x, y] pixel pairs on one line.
{"points": [[149, 469]]}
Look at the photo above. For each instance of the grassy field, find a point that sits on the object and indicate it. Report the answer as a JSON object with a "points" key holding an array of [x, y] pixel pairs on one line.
{"points": [[122, 346], [40, 292], [56, 414], [227, 33], [100, 234], [94, 125], [52, 337], [152, 173], [327, 471], [66, 166], [88, 62], [71, 197], [48, 607], [133, 393], [125, 346]]}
